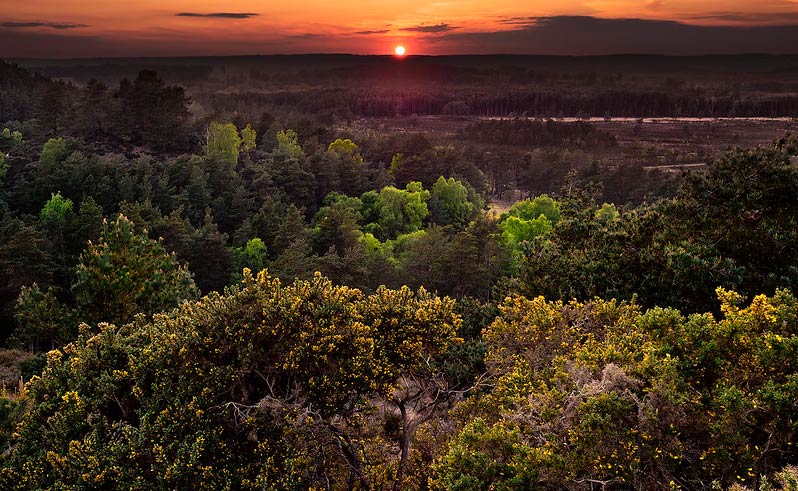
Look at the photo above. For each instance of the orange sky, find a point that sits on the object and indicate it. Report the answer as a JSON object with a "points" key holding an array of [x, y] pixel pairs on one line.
{"points": [[148, 27]]}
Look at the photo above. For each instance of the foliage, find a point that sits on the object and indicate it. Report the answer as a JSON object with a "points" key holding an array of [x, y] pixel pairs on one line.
{"points": [[249, 138], [268, 385], [56, 210], [529, 219], [401, 211], [152, 113], [604, 393], [53, 153], [449, 203], [124, 274], [288, 145], [9, 138], [223, 141], [44, 321], [252, 256]]}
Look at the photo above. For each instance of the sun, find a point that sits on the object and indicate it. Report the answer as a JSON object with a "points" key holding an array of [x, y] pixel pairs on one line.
{"points": [[400, 51]]}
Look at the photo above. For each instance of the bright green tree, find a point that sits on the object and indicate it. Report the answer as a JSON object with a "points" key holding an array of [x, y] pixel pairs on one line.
{"points": [[449, 203], [249, 138], [53, 153], [222, 141], [57, 209], [402, 211], [288, 144], [528, 219], [345, 148], [253, 256]]}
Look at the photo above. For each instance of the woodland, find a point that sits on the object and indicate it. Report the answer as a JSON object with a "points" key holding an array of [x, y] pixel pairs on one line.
{"points": [[194, 295]]}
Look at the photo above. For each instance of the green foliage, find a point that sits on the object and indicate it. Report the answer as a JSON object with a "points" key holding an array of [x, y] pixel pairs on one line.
{"points": [[249, 138], [124, 274], [56, 210], [288, 144], [607, 213], [516, 230], [223, 141], [604, 392], [9, 138], [44, 322], [53, 153], [346, 149], [529, 219], [402, 211], [249, 390], [486, 457], [253, 256], [449, 203], [533, 209]]}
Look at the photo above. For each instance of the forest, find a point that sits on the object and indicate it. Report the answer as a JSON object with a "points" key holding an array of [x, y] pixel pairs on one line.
{"points": [[261, 291]]}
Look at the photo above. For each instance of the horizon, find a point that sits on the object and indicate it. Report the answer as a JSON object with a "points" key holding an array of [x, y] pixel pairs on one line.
{"points": [[178, 28], [389, 56]]}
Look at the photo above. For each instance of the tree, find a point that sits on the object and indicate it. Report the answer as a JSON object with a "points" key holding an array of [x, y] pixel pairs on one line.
{"points": [[253, 255], [449, 203], [349, 166], [56, 215], [222, 141], [25, 259], [288, 145], [9, 139], [249, 138], [456, 108], [57, 210], [152, 113], [402, 211], [529, 219], [44, 322], [124, 274], [53, 153]]}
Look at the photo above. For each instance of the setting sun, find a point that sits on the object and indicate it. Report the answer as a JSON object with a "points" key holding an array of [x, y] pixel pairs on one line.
{"points": [[400, 51]]}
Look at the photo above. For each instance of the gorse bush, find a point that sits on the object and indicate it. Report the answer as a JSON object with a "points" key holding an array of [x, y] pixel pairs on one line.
{"points": [[266, 386]]}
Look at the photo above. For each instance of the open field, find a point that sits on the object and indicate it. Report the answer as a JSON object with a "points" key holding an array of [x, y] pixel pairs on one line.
{"points": [[666, 143]]}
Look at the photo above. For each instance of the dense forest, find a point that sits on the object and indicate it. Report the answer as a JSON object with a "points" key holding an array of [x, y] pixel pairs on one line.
{"points": [[254, 299]]}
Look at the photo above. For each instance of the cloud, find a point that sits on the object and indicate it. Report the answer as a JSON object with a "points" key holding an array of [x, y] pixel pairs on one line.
{"points": [[586, 35], [306, 35], [442, 27], [518, 21], [219, 15], [771, 18], [51, 25], [368, 33]]}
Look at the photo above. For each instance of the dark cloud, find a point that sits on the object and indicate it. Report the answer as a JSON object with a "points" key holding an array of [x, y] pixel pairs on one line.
{"points": [[585, 35], [518, 21], [367, 33], [430, 29], [22, 43], [51, 25], [773, 18], [219, 15], [307, 35]]}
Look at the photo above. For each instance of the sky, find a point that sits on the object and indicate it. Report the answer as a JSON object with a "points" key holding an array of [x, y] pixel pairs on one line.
{"points": [[114, 28]]}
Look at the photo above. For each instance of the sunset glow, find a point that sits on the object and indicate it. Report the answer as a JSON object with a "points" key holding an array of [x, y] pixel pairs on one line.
{"points": [[399, 51], [81, 28]]}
